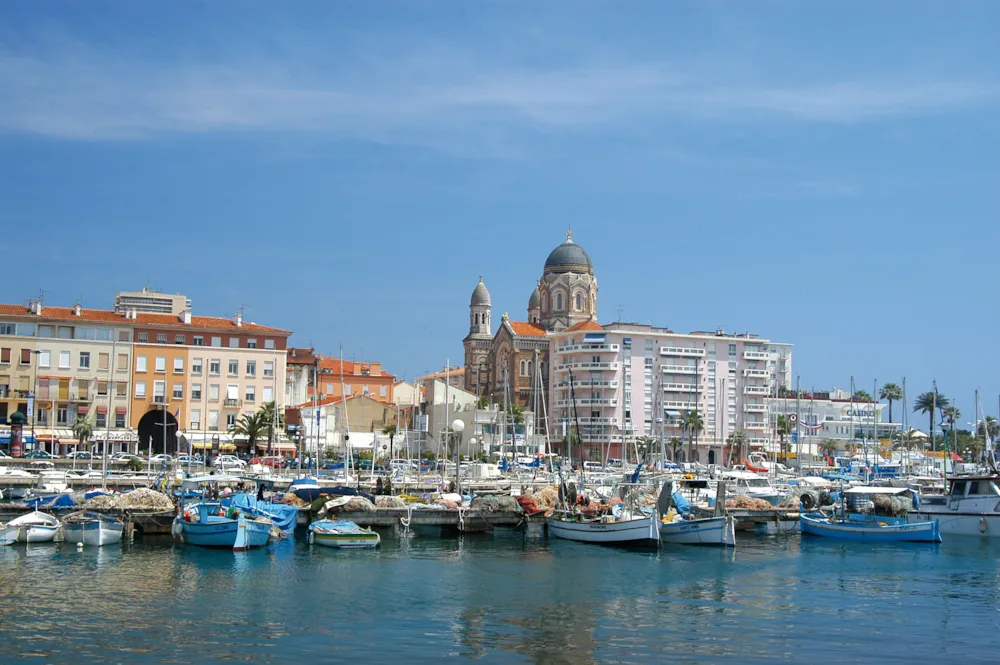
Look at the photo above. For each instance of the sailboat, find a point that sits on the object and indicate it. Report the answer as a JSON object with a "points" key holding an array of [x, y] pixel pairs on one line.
{"points": [[627, 525]]}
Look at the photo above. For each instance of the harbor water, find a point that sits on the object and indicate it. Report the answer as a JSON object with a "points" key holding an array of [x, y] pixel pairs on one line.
{"points": [[502, 598]]}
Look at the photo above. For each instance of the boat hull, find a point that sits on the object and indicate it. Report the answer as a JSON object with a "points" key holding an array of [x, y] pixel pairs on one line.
{"points": [[93, 533], [8, 535], [917, 532], [712, 531], [35, 527], [349, 541], [641, 531], [225, 532], [958, 524]]}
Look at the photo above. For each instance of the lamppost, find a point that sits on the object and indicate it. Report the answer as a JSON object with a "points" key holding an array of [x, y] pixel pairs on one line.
{"points": [[458, 426], [214, 451], [472, 446], [34, 391]]}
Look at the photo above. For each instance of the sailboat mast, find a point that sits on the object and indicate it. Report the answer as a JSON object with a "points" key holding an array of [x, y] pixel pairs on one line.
{"points": [[348, 461], [576, 421]]}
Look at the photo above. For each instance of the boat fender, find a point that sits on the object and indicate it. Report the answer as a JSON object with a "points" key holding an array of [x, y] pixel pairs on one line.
{"points": [[808, 500], [982, 525]]}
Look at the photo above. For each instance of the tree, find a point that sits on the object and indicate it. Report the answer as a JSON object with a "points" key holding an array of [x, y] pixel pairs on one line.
{"points": [[828, 447], [268, 419], [890, 392], [926, 403], [252, 426], [390, 430], [676, 446], [82, 431], [990, 426], [783, 427], [862, 396], [693, 424], [516, 414], [736, 441], [483, 403], [950, 414], [644, 445]]}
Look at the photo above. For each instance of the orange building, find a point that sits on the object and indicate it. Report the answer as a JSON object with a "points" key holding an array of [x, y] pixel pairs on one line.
{"points": [[159, 382], [358, 378]]}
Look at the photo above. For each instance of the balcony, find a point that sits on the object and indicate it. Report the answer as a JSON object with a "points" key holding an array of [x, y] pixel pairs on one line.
{"points": [[756, 390], [681, 388], [598, 421], [601, 348], [592, 366], [564, 385], [756, 374], [755, 408], [759, 441], [756, 355], [588, 402], [159, 399], [231, 403], [757, 426], [679, 369], [681, 406], [682, 352]]}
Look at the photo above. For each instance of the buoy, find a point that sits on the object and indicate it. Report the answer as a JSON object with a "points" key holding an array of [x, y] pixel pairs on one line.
{"points": [[79, 547], [982, 525]]}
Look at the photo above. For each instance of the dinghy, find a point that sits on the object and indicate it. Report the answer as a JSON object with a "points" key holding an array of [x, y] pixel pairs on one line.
{"points": [[92, 529], [8, 534], [35, 527], [344, 534], [717, 531]]}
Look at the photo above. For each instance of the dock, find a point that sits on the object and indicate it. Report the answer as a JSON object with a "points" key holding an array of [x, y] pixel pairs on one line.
{"points": [[448, 521], [150, 522]]}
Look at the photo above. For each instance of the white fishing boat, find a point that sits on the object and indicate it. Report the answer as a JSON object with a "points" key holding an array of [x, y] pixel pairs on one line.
{"points": [[92, 529], [629, 529], [714, 531], [343, 534], [970, 508], [8, 534], [35, 527]]}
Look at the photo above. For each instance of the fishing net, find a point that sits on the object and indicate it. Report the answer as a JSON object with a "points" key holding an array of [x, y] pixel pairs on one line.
{"points": [[748, 503], [138, 499], [389, 502], [496, 503]]}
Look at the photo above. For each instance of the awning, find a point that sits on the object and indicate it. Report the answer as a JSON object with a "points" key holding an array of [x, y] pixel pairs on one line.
{"points": [[206, 437], [5, 435], [282, 445], [53, 435], [121, 410], [102, 409], [228, 447], [82, 410]]}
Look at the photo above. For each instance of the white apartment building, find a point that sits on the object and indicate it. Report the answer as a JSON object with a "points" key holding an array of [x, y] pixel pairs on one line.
{"points": [[151, 302], [833, 415], [633, 380]]}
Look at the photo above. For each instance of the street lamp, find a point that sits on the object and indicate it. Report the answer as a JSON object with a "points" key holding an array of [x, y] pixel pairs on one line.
{"points": [[34, 391], [472, 445], [458, 426]]}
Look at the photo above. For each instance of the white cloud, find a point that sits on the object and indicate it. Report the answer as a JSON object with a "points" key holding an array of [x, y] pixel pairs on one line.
{"points": [[77, 93]]}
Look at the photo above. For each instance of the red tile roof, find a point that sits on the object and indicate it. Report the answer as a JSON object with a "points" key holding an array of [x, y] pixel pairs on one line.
{"points": [[349, 368], [586, 325], [63, 314], [525, 329], [453, 372], [336, 400], [108, 316], [208, 322]]}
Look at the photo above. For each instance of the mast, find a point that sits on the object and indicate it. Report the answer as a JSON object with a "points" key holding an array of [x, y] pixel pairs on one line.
{"points": [[798, 417], [107, 421], [348, 460], [447, 425], [576, 421]]}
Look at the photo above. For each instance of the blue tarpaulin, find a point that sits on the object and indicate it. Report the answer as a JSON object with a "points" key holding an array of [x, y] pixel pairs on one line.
{"points": [[58, 501], [682, 504], [283, 515]]}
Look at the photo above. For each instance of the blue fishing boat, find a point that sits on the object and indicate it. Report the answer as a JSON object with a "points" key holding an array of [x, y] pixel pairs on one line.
{"points": [[207, 523], [880, 520]]}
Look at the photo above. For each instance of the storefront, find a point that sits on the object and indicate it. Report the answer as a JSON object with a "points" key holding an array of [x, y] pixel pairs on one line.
{"points": [[118, 441], [26, 441], [201, 441]]}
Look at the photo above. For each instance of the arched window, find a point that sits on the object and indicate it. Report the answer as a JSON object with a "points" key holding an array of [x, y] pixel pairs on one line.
{"points": [[523, 372], [558, 302], [529, 369], [477, 318], [579, 301]]}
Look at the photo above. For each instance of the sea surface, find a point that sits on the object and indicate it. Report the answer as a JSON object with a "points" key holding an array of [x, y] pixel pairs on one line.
{"points": [[510, 597]]}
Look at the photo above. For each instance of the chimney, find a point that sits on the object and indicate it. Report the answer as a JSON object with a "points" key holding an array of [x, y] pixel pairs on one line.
{"points": [[35, 307], [239, 320], [185, 317], [76, 309]]}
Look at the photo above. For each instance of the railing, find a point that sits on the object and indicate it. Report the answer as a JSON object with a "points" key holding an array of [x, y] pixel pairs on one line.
{"points": [[756, 355], [756, 373], [681, 351], [678, 369], [756, 390], [588, 402], [587, 384], [681, 388], [757, 425], [231, 402], [159, 399], [755, 408], [690, 406], [589, 365], [606, 348]]}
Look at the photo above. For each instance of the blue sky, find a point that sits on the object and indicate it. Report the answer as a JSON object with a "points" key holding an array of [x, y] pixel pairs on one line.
{"points": [[822, 173]]}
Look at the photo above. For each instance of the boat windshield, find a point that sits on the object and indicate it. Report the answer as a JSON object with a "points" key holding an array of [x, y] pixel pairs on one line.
{"points": [[757, 482]]}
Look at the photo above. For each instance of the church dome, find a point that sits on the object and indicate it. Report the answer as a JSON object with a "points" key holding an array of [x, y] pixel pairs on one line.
{"points": [[480, 296], [569, 257], [535, 301]]}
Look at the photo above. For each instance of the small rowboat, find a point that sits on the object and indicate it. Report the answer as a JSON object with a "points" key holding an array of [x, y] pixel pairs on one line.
{"points": [[8, 534], [35, 527], [872, 530], [717, 531], [343, 534], [92, 529]]}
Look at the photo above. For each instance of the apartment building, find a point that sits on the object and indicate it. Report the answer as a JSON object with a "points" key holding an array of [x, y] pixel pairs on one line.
{"points": [[358, 378], [152, 302], [61, 363], [633, 380]]}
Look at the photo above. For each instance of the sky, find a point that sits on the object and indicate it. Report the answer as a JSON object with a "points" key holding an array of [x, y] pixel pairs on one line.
{"points": [[819, 173]]}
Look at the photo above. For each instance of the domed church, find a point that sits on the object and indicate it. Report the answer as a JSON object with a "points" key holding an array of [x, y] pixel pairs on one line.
{"points": [[565, 296]]}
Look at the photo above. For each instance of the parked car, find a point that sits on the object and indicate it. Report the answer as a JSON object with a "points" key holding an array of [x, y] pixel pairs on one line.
{"points": [[125, 457], [162, 457], [229, 462], [80, 454], [271, 461], [4, 455], [40, 454]]}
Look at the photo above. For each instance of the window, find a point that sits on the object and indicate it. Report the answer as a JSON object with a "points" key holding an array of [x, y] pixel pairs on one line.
{"points": [[103, 361], [251, 368], [26, 357], [42, 416], [196, 366], [213, 420], [559, 302], [122, 335], [234, 342], [63, 360], [213, 392], [524, 368], [364, 390], [102, 388], [142, 337], [178, 391], [119, 420], [101, 421], [161, 363], [196, 419], [85, 360], [214, 367], [140, 389], [732, 349], [381, 391], [140, 363], [232, 394], [161, 338], [579, 301], [230, 420], [268, 343], [123, 362], [195, 391], [5, 356], [120, 388], [178, 365], [251, 394], [268, 394], [62, 416], [45, 331], [199, 340], [44, 358], [160, 391], [216, 341], [251, 343], [180, 339], [234, 368]]}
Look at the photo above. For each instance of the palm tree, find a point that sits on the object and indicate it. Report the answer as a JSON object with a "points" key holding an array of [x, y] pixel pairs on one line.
{"points": [[991, 426], [828, 447], [269, 419], [516, 412], [644, 444], [390, 430], [82, 431], [891, 393], [252, 426], [862, 396], [783, 426], [693, 424], [926, 403], [676, 446], [949, 415], [483, 403]]}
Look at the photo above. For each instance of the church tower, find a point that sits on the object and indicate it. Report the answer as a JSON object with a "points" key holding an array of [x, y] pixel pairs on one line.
{"points": [[535, 307], [477, 342], [568, 288]]}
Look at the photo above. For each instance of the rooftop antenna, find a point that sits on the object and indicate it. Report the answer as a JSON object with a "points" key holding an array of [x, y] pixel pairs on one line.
{"points": [[620, 310]]}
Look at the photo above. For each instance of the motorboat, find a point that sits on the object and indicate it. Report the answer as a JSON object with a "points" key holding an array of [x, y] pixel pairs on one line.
{"points": [[35, 527], [343, 534], [753, 485], [93, 529], [971, 507], [207, 523]]}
